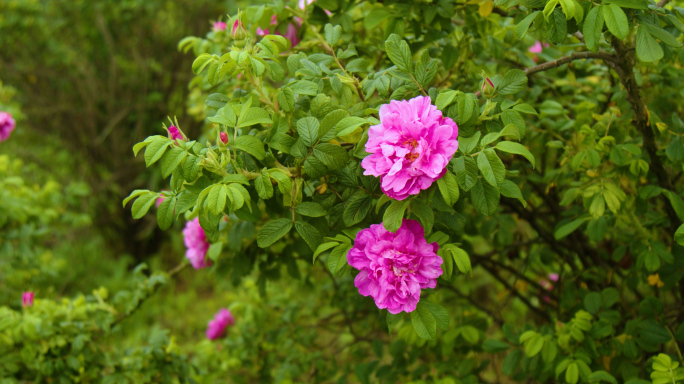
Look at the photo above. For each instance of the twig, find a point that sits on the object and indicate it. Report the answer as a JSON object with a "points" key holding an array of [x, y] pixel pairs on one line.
{"points": [[564, 60]]}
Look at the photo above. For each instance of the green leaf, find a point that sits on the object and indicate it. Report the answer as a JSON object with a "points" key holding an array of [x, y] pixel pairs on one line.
{"points": [[675, 150], [534, 345], [460, 257], [425, 214], [493, 170], [633, 4], [155, 150], [348, 125], [135, 194], [375, 17], [515, 148], [264, 187], [251, 145], [510, 189], [569, 228], [549, 351], [305, 87], [424, 322], [286, 99], [466, 105], [324, 247], [399, 52], [200, 62], [216, 200], [438, 312], [337, 259], [599, 376], [556, 27], [647, 48], [273, 231], [593, 27], [165, 213], [514, 81], [466, 172], [485, 198], [512, 362], [524, 25], [445, 98], [253, 116], [333, 34], [333, 156], [572, 373], [593, 302], [394, 215], [448, 187], [494, 346], [679, 235], [310, 209], [307, 128], [468, 144], [214, 251], [358, 207], [142, 204], [616, 20], [309, 233]]}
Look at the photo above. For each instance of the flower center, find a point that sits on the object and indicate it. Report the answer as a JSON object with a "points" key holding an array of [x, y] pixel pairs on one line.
{"points": [[412, 156]]}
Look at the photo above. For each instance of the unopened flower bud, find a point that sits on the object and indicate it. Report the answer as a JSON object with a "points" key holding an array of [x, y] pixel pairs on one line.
{"points": [[223, 137], [239, 33], [488, 90]]}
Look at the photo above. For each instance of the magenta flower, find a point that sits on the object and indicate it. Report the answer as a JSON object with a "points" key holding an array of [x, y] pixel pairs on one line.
{"points": [[394, 267], [175, 133], [553, 277], [196, 241], [7, 125], [237, 24], [537, 47], [410, 148], [217, 326], [27, 299], [303, 3], [220, 26]]}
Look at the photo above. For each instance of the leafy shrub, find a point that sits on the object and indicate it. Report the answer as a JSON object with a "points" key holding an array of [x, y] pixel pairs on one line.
{"points": [[558, 220]]}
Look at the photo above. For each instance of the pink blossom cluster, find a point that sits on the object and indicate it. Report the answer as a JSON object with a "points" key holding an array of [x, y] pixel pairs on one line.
{"points": [[395, 267], [7, 125], [410, 148], [175, 133], [197, 244], [217, 326]]}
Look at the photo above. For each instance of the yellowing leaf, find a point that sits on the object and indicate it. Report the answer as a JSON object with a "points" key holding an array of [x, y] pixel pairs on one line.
{"points": [[486, 8]]}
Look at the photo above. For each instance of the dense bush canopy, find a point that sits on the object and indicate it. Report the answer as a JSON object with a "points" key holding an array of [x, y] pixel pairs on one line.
{"points": [[395, 192]]}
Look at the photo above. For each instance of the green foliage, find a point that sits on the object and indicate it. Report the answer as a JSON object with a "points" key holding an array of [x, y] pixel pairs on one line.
{"points": [[558, 221]]}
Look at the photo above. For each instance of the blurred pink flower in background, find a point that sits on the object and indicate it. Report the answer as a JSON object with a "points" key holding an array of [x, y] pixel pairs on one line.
{"points": [[7, 125], [290, 34], [220, 26], [27, 299], [217, 326], [197, 244], [537, 47], [546, 284]]}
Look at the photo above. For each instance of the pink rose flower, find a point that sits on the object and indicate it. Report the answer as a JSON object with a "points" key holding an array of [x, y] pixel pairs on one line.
{"points": [[224, 137], [197, 244], [27, 299], [7, 125], [553, 277], [303, 3], [220, 26], [160, 200], [217, 326], [394, 267], [175, 133], [411, 146]]}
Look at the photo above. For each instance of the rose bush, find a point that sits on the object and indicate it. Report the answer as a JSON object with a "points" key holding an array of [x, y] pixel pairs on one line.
{"points": [[439, 166]]}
